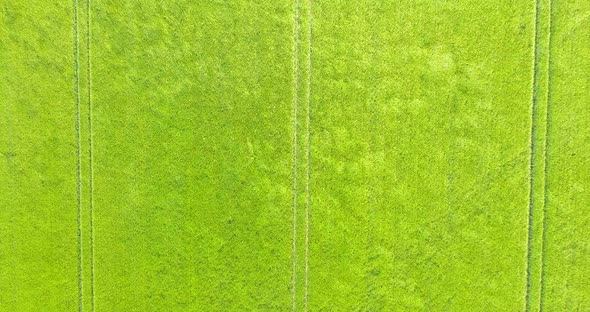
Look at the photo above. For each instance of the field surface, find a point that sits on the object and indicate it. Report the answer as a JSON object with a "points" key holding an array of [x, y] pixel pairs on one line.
{"points": [[303, 155]]}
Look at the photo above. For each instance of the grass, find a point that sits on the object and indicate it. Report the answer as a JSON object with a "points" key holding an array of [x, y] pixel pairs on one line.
{"points": [[294, 155]]}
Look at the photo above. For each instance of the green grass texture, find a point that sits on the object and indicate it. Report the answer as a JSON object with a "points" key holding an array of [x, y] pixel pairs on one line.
{"points": [[294, 155]]}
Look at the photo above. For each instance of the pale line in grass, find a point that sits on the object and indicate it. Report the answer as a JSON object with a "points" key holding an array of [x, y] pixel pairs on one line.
{"points": [[90, 168], [533, 109], [307, 173], [546, 161], [78, 143], [294, 169]]}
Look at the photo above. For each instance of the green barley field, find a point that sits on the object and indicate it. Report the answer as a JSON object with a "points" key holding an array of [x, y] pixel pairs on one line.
{"points": [[294, 155]]}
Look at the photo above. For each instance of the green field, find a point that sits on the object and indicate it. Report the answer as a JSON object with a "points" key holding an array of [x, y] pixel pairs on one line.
{"points": [[302, 155]]}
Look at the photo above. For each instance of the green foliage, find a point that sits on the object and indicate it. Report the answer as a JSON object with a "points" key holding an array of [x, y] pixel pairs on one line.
{"points": [[307, 155]]}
